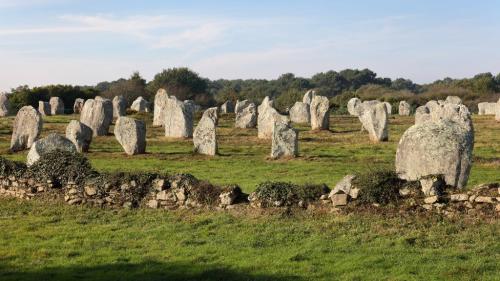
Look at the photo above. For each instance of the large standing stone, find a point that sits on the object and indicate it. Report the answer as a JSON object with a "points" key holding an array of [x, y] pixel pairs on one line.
{"points": [[227, 107], [78, 105], [246, 117], [178, 119], [4, 105], [453, 99], [131, 134], [205, 137], [497, 111], [80, 135], [119, 106], [140, 105], [212, 113], [97, 114], [27, 127], [56, 106], [486, 108], [267, 116], [160, 106], [49, 143], [299, 113], [44, 108], [440, 145], [320, 113], [352, 106], [240, 105], [388, 106], [309, 95], [404, 108], [374, 120], [285, 141]]}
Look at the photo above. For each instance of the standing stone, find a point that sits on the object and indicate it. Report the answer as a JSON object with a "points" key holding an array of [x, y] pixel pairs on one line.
{"points": [[56, 106], [320, 113], [178, 119], [388, 106], [26, 129], [374, 120], [78, 105], [404, 108], [140, 105], [212, 113], [4, 105], [299, 113], [205, 137], [240, 105], [44, 108], [160, 106], [266, 118], [131, 134], [97, 114], [352, 106], [246, 117], [80, 135], [119, 106], [422, 114], [486, 108], [441, 145], [308, 97], [453, 99], [49, 143], [497, 111], [285, 141], [227, 107]]}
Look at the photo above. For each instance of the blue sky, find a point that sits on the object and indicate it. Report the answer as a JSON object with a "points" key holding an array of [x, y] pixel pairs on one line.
{"points": [[87, 41]]}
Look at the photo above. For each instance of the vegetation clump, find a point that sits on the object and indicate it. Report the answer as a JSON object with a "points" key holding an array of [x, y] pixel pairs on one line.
{"points": [[379, 186], [8, 167], [285, 193]]}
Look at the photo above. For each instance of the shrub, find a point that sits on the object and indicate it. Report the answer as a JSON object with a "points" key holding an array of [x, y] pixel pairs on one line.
{"points": [[287, 193], [378, 186], [205, 193], [8, 167], [61, 167]]}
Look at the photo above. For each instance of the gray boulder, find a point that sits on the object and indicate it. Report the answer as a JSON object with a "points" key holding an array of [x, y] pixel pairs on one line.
{"points": [[131, 134], [267, 116], [204, 136], [345, 186], [352, 106], [44, 108], [404, 108], [140, 105], [308, 97], [160, 105], [285, 141], [78, 105], [320, 113], [227, 107], [26, 129], [80, 135], [453, 100], [299, 113], [178, 118], [119, 106], [56, 106], [4, 105], [97, 114], [374, 119], [49, 143], [246, 117]]}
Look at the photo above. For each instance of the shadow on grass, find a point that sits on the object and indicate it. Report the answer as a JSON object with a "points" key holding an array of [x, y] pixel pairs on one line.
{"points": [[152, 270]]}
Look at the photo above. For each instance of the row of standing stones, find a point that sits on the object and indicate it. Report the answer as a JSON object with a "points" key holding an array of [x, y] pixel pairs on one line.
{"points": [[437, 150]]}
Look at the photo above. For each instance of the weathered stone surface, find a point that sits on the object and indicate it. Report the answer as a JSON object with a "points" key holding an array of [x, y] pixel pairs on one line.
{"points": [[285, 141], [140, 105], [484, 199], [422, 114], [497, 111], [119, 106], [160, 106], [227, 107], [50, 143], [441, 146], [205, 137], [246, 116], [375, 120], [267, 117], [339, 199], [178, 119], [352, 106], [80, 135], [131, 134], [432, 185], [308, 97], [212, 113], [320, 113], [431, 199], [388, 107], [240, 105], [459, 197], [486, 108], [56, 106], [44, 108], [299, 113], [345, 186], [26, 129], [404, 108], [97, 114], [4, 105], [453, 100], [78, 105]]}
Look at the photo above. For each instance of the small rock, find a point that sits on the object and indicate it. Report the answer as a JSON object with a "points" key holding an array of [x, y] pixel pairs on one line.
{"points": [[339, 199], [427, 206], [497, 208], [404, 191], [72, 191], [431, 199], [90, 190], [472, 198], [181, 195], [162, 195], [483, 199], [159, 184], [127, 205], [75, 201], [459, 197], [324, 197], [468, 205], [153, 204], [66, 198]]}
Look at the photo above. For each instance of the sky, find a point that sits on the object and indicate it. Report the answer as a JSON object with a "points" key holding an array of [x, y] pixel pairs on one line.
{"points": [[83, 42]]}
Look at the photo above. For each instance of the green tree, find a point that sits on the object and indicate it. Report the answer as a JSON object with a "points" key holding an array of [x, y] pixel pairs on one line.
{"points": [[130, 89]]}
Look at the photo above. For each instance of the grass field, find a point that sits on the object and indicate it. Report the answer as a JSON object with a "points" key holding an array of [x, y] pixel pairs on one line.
{"points": [[51, 241]]}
